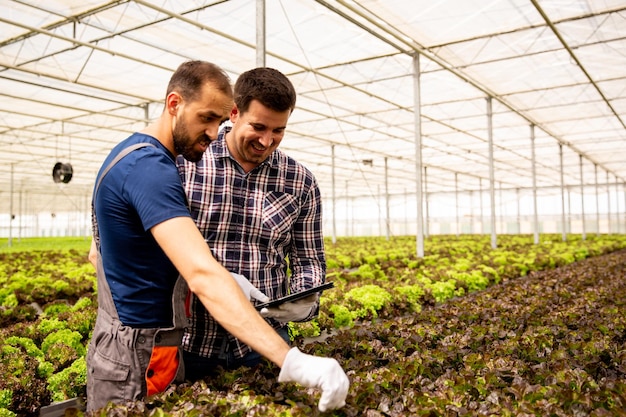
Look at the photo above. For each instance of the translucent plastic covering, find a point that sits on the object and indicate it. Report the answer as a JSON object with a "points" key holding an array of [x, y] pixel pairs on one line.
{"points": [[76, 77]]}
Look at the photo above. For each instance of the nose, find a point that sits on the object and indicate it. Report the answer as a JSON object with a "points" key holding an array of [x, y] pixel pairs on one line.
{"points": [[266, 139], [211, 131]]}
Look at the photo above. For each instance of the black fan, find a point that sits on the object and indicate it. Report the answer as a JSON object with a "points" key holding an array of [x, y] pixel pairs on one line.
{"points": [[62, 172]]}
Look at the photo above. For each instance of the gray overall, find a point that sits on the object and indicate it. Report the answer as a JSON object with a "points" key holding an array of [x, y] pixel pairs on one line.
{"points": [[125, 363]]}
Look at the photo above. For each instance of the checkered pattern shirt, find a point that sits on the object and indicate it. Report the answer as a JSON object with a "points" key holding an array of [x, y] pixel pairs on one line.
{"points": [[257, 224]]}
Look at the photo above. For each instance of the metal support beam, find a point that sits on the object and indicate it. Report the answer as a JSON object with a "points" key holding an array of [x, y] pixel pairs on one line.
{"points": [[563, 223], [387, 219], [618, 227], [260, 33], [427, 203], [492, 192], [608, 204], [417, 117], [518, 219], [624, 216], [582, 198], [456, 203], [534, 176], [482, 213], [595, 170], [11, 208], [146, 114], [347, 230], [334, 232]]}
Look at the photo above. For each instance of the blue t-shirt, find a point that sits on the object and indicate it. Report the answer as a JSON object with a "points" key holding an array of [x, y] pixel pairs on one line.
{"points": [[142, 190]]}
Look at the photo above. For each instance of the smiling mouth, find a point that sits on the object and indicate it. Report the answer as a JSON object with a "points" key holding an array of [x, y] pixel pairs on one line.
{"points": [[257, 148]]}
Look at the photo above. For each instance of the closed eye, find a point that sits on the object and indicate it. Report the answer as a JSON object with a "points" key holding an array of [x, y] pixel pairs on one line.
{"points": [[261, 128]]}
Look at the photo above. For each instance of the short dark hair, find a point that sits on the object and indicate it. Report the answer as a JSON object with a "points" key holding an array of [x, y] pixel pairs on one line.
{"points": [[190, 76], [267, 85]]}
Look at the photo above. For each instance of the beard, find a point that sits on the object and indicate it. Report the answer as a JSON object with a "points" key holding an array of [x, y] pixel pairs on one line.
{"points": [[184, 145]]}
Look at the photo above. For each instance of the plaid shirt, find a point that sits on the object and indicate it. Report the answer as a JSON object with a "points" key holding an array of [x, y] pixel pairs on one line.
{"points": [[257, 224]]}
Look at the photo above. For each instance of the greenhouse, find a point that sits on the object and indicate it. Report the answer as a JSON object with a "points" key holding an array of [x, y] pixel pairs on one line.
{"points": [[471, 161], [488, 114]]}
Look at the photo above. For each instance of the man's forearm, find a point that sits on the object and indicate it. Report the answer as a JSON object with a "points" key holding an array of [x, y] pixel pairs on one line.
{"points": [[239, 318]]}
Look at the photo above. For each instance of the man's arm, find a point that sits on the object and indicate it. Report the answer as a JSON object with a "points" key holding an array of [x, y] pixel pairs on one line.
{"points": [[216, 289], [182, 242]]}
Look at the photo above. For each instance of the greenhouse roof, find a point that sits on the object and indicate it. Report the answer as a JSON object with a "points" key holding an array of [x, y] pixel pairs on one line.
{"points": [[76, 77]]}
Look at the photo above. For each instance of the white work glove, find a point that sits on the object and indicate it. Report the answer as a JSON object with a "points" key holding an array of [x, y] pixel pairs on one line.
{"points": [[249, 290], [293, 311], [317, 372]]}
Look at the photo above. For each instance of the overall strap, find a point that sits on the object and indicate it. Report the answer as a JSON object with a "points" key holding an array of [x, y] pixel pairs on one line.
{"points": [[105, 298], [117, 158]]}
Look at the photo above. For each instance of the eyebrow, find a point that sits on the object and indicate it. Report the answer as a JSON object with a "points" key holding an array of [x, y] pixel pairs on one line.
{"points": [[211, 113], [255, 124]]}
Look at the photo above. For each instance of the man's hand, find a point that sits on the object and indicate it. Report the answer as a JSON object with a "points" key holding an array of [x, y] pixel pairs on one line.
{"points": [[249, 290], [317, 372], [293, 311]]}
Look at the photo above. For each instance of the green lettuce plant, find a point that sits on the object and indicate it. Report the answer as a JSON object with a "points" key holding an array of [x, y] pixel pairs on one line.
{"points": [[54, 309], [342, 316], [4, 412], [371, 298], [47, 326], [6, 398], [475, 280], [63, 347], [70, 382], [443, 290], [412, 295]]}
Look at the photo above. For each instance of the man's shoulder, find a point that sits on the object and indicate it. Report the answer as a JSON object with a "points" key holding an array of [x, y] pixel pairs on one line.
{"points": [[143, 145]]}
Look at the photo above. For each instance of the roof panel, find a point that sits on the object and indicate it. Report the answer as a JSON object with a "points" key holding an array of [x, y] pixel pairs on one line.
{"points": [[78, 76]]}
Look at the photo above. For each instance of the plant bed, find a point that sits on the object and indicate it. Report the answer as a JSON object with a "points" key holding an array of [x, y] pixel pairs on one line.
{"points": [[548, 342]]}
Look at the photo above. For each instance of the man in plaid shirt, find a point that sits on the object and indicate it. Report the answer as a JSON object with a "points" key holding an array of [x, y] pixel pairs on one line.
{"points": [[260, 213]]}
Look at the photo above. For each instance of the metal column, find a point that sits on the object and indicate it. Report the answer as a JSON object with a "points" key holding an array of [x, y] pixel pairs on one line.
{"points": [[582, 196], [608, 204], [260, 33], [11, 208], [618, 228], [417, 115], [482, 214], [492, 193], [332, 173], [387, 219], [518, 218], [563, 225], [426, 204], [534, 175], [624, 188], [595, 168], [456, 203]]}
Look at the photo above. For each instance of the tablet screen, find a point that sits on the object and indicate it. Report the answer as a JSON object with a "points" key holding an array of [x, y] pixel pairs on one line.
{"points": [[296, 296]]}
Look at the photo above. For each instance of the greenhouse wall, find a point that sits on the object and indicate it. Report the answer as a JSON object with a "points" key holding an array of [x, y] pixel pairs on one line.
{"points": [[548, 225], [367, 216], [79, 224]]}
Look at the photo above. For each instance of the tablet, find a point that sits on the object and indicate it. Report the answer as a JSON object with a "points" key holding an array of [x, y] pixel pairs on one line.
{"points": [[296, 296]]}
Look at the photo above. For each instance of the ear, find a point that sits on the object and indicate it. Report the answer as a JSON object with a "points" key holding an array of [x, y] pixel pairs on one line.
{"points": [[172, 101], [234, 113]]}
